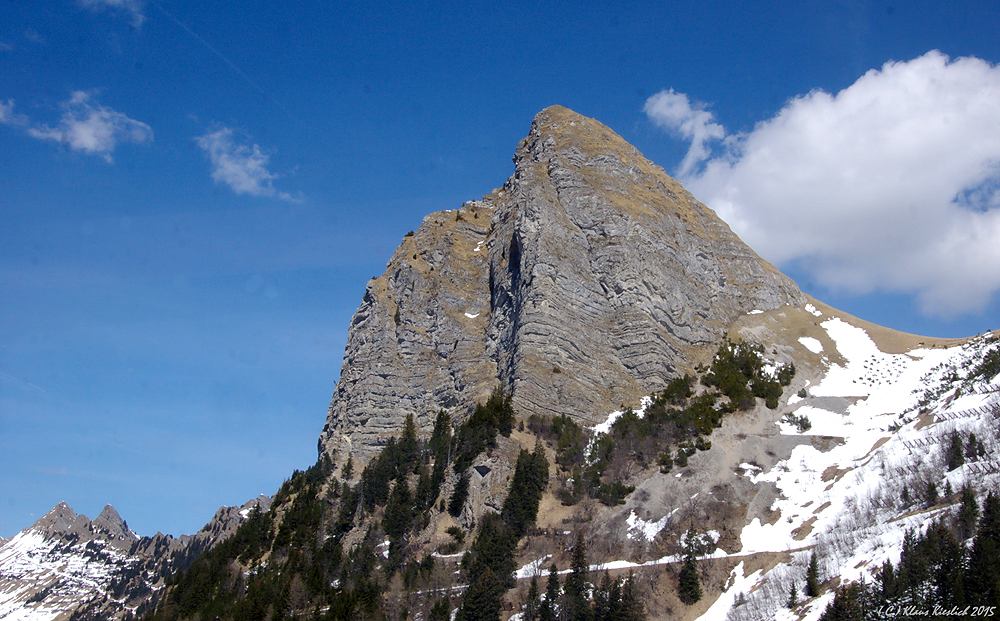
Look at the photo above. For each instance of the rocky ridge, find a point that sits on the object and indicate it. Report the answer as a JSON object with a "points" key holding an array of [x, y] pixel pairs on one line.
{"points": [[590, 279], [66, 566]]}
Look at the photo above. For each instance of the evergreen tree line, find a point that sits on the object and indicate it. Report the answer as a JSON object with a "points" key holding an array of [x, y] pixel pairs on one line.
{"points": [[738, 372], [939, 575], [982, 370], [298, 569], [963, 449], [307, 568], [490, 563], [479, 432], [570, 442], [735, 379], [612, 599]]}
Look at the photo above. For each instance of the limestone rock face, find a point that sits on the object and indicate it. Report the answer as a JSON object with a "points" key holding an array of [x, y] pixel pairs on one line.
{"points": [[590, 279]]}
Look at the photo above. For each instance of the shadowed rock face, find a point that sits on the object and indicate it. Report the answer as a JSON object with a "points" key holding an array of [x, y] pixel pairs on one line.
{"points": [[590, 279]]}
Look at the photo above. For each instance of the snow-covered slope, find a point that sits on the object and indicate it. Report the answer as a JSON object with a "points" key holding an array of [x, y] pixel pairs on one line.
{"points": [[853, 503], [847, 485], [62, 560], [66, 566]]}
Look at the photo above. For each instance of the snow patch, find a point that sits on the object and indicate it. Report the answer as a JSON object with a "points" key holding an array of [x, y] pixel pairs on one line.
{"points": [[534, 568], [811, 344], [812, 309], [471, 316], [605, 427], [736, 585], [638, 527]]}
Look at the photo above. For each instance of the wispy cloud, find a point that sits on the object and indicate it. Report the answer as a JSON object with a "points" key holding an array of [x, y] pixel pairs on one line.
{"points": [[133, 8], [892, 184], [9, 117], [674, 112], [244, 168], [85, 126]]}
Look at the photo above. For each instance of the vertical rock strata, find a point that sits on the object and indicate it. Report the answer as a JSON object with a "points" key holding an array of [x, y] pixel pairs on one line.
{"points": [[590, 279]]}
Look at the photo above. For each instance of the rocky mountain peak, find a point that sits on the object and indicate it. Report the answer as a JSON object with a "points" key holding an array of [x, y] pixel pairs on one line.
{"points": [[61, 520], [588, 280], [110, 524]]}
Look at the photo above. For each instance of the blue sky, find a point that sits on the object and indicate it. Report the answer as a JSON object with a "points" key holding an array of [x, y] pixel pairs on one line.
{"points": [[193, 195]]}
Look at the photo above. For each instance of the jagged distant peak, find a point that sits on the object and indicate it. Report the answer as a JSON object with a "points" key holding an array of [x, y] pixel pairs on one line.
{"points": [[66, 562], [112, 524], [261, 502], [60, 520]]}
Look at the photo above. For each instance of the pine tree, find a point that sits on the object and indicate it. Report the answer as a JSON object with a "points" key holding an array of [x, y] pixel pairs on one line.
{"points": [[983, 585], [441, 610], [606, 599], [521, 507], [459, 495], [945, 565], [631, 608], [688, 587], [426, 493], [441, 434], [968, 514], [846, 605], [932, 494], [408, 447], [575, 603], [494, 548], [888, 588], [501, 407], [398, 512], [793, 596], [482, 599], [812, 577], [547, 610], [532, 604], [955, 455], [970, 448]]}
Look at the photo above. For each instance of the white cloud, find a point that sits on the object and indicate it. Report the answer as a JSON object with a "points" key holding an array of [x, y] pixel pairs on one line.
{"points": [[673, 111], [892, 184], [243, 168], [134, 8], [92, 128], [9, 117], [85, 126]]}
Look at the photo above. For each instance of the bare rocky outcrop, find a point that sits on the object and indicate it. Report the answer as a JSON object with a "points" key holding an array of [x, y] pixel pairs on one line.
{"points": [[590, 279]]}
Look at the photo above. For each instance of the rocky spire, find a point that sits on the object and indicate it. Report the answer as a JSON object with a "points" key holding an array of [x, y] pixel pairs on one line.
{"points": [[112, 525], [590, 279]]}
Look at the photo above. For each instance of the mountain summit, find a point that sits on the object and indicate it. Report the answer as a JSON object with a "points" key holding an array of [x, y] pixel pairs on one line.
{"points": [[590, 279]]}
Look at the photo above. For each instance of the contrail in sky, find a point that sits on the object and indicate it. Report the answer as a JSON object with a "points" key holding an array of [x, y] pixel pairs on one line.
{"points": [[218, 54]]}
